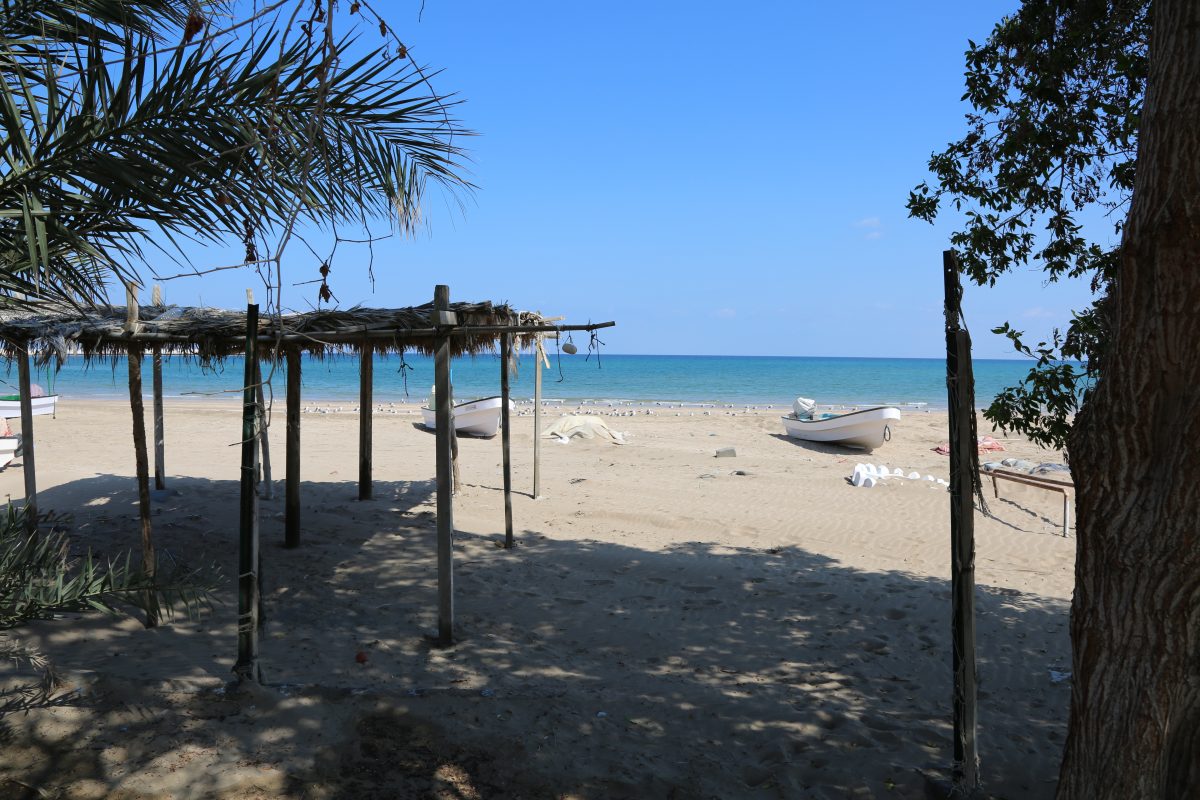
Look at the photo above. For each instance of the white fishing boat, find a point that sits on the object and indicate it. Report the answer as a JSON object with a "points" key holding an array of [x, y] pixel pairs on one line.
{"points": [[8, 449], [866, 429], [10, 405], [474, 418]]}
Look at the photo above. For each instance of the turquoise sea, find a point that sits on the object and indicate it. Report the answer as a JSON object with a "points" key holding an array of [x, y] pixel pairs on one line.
{"points": [[630, 378]]}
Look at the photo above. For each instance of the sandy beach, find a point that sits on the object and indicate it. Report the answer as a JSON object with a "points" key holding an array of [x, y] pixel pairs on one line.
{"points": [[670, 624]]}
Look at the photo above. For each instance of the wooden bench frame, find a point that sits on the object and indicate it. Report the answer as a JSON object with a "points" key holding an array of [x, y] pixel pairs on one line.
{"points": [[1066, 489]]}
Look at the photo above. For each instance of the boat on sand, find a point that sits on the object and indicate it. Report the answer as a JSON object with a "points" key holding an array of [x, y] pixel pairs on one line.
{"points": [[10, 405], [865, 429], [474, 418]]}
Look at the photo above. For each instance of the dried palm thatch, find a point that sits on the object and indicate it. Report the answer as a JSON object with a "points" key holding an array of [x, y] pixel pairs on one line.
{"points": [[52, 331]]}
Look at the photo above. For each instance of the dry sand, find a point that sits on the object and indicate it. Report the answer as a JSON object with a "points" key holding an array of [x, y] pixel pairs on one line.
{"points": [[670, 625]]}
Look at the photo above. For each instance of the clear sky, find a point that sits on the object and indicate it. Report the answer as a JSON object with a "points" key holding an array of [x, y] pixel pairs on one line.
{"points": [[719, 178]]}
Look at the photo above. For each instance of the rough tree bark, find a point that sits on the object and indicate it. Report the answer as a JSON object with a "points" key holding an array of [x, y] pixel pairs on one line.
{"points": [[1135, 621]]}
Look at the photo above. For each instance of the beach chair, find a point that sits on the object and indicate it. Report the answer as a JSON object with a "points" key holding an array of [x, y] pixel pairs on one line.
{"points": [[1067, 490]]}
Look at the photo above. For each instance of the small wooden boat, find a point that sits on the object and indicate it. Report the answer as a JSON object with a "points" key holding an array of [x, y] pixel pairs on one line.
{"points": [[10, 405], [474, 418], [8, 449], [866, 429]]}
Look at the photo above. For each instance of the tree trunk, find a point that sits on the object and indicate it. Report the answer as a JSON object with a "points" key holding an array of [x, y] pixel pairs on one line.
{"points": [[1135, 620]]}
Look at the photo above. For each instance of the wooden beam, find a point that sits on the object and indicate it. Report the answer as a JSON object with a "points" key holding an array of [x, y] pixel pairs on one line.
{"points": [[247, 666], [149, 560], [538, 355], [960, 389], [160, 459], [397, 335], [366, 380], [264, 436], [445, 500], [27, 449], [505, 440], [160, 456], [291, 504]]}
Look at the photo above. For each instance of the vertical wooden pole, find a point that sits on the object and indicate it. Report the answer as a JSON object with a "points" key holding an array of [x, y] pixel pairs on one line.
{"points": [[149, 561], [537, 418], [959, 388], [457, 477], [264, 436], [27, 450], [365, 407], [247, 667], [445, 500], [505, 361], [160, 459], [291, 507]]}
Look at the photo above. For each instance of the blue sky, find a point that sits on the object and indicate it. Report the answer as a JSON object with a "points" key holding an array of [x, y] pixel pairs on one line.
{"points": [[718, 178]]}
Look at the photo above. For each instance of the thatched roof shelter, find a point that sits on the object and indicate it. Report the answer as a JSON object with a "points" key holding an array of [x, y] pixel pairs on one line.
{"points": [[53, 331], [50, 332]]}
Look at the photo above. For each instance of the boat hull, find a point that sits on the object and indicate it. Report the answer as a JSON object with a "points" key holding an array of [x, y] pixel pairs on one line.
{"points": [[475, 418], [42, 406], [8, 449], [865, 430]]}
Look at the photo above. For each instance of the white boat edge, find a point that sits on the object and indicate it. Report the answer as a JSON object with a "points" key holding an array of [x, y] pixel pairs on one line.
{"points": [[41, 406], [866, 429], [475, 417]]}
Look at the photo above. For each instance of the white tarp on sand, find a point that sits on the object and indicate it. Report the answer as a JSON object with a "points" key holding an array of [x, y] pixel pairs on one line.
{"points": [[569, 426]]}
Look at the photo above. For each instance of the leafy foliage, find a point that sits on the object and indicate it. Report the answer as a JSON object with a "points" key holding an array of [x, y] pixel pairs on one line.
{"points": [[1056, 92], [112, 140], [40, 578]]}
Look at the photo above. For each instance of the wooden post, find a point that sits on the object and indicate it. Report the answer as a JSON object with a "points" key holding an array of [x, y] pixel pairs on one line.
{"points": [[291, 504], [445, 501], [505, 359], [264, 436], [365, 403], [959, 389], [457, 477], [247, 667], [149, 561], [27, 462], [538, 355], [160, 469]]}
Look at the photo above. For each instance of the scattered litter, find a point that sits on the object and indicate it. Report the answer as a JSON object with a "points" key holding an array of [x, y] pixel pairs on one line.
{"points": [[725, 452], [1060, 676], [601, 714], [487, 692], [869, 475]]}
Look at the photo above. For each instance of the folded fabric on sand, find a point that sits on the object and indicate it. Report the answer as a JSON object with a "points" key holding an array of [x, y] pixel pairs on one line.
{"points": [[569, 426]]}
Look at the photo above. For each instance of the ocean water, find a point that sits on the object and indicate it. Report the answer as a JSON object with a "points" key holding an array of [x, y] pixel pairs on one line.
{"points": [[742, 380]]}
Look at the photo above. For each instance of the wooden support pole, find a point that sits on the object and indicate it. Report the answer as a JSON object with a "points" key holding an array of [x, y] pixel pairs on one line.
{"points": [[455, 474], [538, 355], [160, 458], [365, 407], [247, 667], [149, 560], [445, 501], [505, 441], [27, 450], [264, 436], [960, 389], [291, 505]]}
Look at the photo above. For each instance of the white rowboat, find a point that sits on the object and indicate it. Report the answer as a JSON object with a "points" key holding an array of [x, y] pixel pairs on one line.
{"points": [[10, 405], [866, 429], [475, 418]]}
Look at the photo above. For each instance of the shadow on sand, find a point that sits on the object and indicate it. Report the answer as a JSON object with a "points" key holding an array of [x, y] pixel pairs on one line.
{"points": [[583, 667]]}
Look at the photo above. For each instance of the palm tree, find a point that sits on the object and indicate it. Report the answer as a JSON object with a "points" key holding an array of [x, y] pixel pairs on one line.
{"points": [[127, 124]]}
